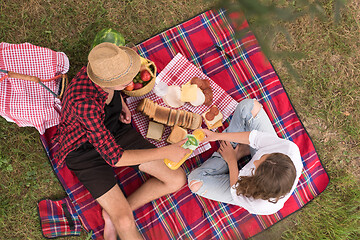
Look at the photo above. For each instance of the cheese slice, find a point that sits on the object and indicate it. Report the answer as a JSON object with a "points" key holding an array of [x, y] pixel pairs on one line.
{"points": [[200, 98], [189, 93]]}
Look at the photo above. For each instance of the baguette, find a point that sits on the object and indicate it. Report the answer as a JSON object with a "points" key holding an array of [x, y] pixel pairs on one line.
{"points": [[140, 107]]}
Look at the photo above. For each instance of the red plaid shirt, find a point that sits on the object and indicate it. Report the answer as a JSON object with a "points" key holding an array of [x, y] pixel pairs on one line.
{"points": [[82, 120]]}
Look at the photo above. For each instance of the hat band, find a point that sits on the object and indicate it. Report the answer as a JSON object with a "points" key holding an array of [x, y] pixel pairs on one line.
{"points": [[120, 75]]}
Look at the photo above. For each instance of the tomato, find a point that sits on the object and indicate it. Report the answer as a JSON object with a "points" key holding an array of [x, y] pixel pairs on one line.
{"points": [[145, 76], [130, 87], [137, 86]]}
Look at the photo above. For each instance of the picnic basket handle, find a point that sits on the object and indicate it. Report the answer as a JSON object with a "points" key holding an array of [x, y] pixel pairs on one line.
{"points": [[64, 84], [23, 76], [40, 81]]}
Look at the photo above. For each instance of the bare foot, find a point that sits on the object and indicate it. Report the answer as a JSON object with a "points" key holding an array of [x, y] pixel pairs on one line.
{"points": [[242, 150], [109, 229]]}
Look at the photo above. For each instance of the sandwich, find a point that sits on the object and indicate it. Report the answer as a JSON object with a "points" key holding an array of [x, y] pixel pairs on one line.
{"points": [[155, 131], [213, 117], [177, 134]]}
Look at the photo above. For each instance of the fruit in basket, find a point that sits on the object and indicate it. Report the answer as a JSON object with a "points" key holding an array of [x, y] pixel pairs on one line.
{"points": [[130, 87], [144, 81], [138, 85], [145, 76], [108, 35], [140, 80]]}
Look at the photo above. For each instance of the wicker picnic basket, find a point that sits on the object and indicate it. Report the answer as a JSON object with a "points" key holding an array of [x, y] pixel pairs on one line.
{"points": [[151, 68]]}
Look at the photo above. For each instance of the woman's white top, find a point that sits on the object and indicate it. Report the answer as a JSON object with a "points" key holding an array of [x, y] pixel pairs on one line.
{"points": [[266, 143]]}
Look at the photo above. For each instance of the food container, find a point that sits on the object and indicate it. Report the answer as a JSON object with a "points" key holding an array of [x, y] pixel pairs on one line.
{"points": [[192, 143], [150, 66]]}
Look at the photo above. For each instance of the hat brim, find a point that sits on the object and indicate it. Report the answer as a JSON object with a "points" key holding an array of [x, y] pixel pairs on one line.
{"points": [[125, 79]]}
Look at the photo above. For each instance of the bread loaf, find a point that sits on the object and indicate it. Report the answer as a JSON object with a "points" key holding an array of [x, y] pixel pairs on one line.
{"points": [[168, 116]]}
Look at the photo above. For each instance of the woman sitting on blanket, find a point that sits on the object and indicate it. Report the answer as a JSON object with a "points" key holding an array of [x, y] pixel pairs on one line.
{"points": [[95, 135], [264, 184]]}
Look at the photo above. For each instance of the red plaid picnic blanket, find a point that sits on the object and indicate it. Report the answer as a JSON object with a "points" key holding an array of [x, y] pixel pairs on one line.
{"points": [[24, 102], [240, 68], [64, 221]]}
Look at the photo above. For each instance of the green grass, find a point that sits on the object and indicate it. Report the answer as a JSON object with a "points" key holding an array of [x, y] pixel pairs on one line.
{"points": [[326, 96], [333, 215]]}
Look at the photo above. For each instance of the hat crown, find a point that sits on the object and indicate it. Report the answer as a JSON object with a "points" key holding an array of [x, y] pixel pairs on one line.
{"points": [[108, 62]]}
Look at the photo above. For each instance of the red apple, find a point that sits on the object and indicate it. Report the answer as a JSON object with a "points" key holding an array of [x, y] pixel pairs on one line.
{"points": [[145, 76], [137, 86]]}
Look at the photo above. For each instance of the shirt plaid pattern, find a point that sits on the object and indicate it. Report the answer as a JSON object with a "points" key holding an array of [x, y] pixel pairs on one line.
{"points": [[82, 120]]}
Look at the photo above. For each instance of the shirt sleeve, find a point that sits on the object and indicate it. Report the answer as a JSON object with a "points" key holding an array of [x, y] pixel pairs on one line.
{"points": [[259, 139], [91, 115]]}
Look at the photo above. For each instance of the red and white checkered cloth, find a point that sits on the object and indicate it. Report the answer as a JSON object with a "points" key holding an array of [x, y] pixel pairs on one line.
{"points": [[24, 102], [178, 72]]}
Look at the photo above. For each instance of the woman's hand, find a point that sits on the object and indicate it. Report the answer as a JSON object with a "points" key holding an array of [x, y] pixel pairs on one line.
{"points": [[228, 152], [175, 152], [210, 136], [125, 115]]}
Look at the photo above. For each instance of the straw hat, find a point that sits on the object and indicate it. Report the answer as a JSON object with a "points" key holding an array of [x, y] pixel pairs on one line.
{"points": [[110, 65]]}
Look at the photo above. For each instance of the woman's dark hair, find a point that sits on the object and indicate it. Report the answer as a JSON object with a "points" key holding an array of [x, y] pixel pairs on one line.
{"points": [[273, 178]]}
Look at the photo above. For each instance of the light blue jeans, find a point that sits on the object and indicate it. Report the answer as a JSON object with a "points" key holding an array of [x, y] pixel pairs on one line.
{"points": [[214, 172]]}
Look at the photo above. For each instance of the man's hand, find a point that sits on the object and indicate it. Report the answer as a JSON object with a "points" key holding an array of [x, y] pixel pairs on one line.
{"points": [[175, 152], [125, 115]]}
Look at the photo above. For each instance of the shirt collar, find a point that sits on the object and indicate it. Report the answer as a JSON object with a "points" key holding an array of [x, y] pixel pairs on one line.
{"points": [[104, 95]]}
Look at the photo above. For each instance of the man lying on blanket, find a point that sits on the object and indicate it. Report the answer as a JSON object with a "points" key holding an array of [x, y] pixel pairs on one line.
{"points": [[95, 135], [264, 184]]}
